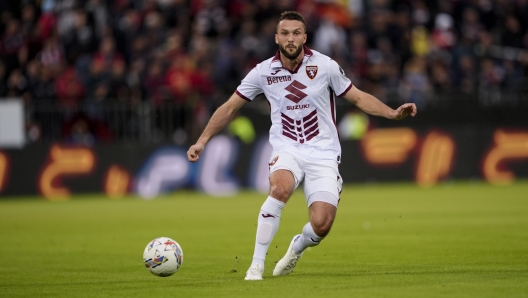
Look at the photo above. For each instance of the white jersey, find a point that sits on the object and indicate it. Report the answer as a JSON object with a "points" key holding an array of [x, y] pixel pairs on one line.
{"points": [[302, 103]]}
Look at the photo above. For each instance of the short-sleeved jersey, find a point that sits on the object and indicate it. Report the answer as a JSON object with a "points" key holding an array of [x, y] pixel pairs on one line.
{"points": [[302, 103]]}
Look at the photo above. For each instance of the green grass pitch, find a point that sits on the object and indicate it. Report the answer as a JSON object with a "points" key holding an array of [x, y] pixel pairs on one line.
{"points": [[459, 239]]}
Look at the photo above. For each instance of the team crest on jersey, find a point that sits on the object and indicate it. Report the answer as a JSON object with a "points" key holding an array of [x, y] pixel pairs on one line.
{"points": [[273, 161], [311, 71]]}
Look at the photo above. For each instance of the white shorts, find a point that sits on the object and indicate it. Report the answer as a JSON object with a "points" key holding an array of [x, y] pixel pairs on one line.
{"points": [[321, 175]]}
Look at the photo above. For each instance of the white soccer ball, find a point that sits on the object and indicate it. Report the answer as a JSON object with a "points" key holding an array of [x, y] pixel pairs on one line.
{"points": [[163, 256]]}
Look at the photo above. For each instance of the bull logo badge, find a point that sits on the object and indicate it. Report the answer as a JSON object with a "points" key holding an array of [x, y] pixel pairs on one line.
{"points": [[311, 71]]}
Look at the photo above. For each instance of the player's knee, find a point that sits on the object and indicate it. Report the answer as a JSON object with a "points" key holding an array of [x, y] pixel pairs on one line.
{"points": [[280, 192], [322, 227]]}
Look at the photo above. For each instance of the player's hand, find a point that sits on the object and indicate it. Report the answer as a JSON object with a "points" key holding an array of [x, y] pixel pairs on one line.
{"points": [[194, 151], [405, 110]]}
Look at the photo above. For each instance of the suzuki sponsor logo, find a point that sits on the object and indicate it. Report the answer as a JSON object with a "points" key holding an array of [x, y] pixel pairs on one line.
{"points": [[298, 107], [296, 94]]}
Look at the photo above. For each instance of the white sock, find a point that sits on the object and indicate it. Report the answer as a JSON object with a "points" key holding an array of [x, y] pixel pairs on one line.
{"points": [[268, 224], [308, 239]]}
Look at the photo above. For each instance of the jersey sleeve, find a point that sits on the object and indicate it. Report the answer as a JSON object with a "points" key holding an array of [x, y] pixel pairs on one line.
{"points": [[338, 80], [250, 86]]}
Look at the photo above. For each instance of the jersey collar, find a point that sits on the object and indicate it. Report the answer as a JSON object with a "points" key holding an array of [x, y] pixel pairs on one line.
{"points": [[276, 62]]}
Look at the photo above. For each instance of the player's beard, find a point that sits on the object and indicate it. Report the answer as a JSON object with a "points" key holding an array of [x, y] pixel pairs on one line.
{"points": [[287, 54]]}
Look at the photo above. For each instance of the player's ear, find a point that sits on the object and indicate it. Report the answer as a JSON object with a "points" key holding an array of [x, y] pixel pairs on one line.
{"points": [[276, 38]]}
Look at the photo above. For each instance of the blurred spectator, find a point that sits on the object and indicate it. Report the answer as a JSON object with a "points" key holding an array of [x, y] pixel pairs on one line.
{"points": [[513, 77], [101, 93], [247, 38], [416, 85], [31, 73], [80, 38], [69, 89], [487, 13], [99, 11], [470, 26], [22, 57], [3, 84], [400, 33], [126, 27], [52, 55], [200, 51], [155, 30], [107, 57], [33, 132], [330, 38], [377, 26], [28, 18], [391, 80], [356, 8], [134, 79], [386, 51], [46, 25], [103, 63], [513, 34], [42, 86], [155, 83], [440, 77], [444, 36], [85, 131], [483, 47], [265, 10], [375, 74], [210, 18], [225, 65], [11, 42], [178, 78], [17, 84], [358, 55], [464, 74], [66, 19], [336, 12], [311, 14], [420, 13], [490, 74], [140, 48], [117, 79], [421, 43], [80, 133]]}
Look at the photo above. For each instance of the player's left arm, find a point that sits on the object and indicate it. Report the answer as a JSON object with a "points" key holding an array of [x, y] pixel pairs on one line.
{"points": [[373, 106]]}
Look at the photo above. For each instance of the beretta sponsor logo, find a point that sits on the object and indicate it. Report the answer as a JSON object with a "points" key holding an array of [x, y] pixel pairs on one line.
{"points": [[279, 79]]}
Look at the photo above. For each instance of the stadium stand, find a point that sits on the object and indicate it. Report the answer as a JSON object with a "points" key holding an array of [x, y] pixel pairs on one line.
{"points": [[149, 70]]}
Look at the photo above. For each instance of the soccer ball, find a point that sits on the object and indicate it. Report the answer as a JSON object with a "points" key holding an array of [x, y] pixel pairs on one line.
{"points": [[163, 256]]}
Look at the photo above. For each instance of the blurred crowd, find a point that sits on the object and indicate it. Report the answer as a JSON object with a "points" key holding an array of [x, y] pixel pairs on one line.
{"points": [[72, 53]]}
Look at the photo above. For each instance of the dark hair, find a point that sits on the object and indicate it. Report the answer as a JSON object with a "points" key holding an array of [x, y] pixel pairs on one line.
{"points": [[292, 15]]}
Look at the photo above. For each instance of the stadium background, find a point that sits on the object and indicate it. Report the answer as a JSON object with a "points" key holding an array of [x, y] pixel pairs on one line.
{"points": [[105, 96]]}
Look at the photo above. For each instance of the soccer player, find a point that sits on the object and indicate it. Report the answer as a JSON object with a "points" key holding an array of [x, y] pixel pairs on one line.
{"points": [[300, 85]]}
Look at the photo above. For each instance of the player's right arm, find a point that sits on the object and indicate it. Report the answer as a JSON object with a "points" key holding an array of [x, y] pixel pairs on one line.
{"points": [[221, 117], [366, 102], [373, 106]]}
